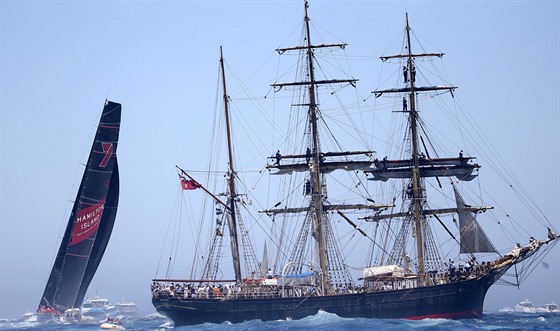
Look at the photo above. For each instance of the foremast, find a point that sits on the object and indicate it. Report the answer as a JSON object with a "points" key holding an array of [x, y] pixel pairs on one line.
{"points": [[317, 163], [418, 199]]}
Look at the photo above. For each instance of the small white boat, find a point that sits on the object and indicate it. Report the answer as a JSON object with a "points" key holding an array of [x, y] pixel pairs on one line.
{"points": [[524, 306], [111, 326], [548, 308]]}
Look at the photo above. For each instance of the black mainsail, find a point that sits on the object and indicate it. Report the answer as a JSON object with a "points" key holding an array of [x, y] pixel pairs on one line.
{"points": [[91, 221]]}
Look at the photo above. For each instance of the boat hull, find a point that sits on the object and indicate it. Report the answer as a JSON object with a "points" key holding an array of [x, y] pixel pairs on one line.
{"points": [[111, 326], [463, 299]]}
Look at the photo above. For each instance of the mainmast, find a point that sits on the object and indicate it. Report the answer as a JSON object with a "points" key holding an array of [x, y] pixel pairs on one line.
{"points": [[232, 220], [317, 196], [417, 189], [315, 158]]}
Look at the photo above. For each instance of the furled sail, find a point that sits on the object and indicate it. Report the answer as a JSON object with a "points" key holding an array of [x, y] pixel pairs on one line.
{"points": [[91, 221], [473, 238], [460, 167], [327, 165]]}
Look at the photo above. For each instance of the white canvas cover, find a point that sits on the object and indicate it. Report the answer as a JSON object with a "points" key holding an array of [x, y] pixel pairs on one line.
{"points": [[273, 281], [385, 271]]}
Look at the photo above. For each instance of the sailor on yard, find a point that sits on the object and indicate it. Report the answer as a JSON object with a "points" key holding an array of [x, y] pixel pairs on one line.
{"points": [[551, 234]]}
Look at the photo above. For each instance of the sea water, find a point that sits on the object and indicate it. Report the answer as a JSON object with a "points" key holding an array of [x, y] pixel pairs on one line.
{"points": [[323, 321]]}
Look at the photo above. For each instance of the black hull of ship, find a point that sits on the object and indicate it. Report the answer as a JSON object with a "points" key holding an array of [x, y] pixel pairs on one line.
{"points": [[463, 299]]}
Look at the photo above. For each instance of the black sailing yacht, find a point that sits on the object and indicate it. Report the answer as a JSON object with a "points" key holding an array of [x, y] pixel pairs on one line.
{"points": [[408, 278], [91, 222]]}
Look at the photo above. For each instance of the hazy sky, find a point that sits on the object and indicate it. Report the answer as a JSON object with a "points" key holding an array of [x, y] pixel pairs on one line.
{"points": [[61, 59]]}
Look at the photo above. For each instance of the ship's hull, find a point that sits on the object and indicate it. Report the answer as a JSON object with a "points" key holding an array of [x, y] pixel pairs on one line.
{"points": [[463, 299]]}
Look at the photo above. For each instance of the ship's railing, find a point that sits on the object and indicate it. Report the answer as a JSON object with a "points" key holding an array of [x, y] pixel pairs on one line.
{"points": [[164, 290], [228, 292], [253, 290]]}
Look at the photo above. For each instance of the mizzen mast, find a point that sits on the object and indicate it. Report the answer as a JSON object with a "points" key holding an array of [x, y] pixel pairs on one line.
{"points": [[232, 220]]}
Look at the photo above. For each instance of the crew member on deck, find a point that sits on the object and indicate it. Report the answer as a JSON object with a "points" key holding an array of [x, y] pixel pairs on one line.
{"points": [[278, 157]]}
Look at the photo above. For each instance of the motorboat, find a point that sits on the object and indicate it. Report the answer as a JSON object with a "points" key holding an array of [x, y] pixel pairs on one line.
{"points": [[524, 306], [126, 308], [548, 308], [98, 308]]}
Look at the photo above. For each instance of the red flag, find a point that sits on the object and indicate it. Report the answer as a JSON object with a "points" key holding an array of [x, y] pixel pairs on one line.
{"points": [[187, 184]]}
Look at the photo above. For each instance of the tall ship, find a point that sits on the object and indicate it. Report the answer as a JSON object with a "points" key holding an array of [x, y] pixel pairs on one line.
{"points": [[90, 224], [349, 232]]}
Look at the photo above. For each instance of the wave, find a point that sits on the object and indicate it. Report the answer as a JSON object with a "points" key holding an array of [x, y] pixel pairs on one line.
{"points": [[321, 321]]}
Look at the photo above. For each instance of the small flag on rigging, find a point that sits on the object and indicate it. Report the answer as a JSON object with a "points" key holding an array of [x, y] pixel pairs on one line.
{"points": [[189, 184]]}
